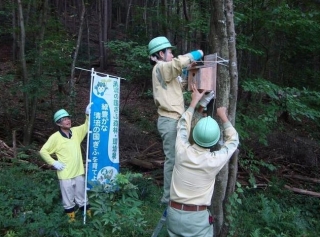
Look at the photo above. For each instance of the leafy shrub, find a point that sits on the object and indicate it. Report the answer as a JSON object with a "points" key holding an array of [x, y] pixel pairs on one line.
{"points": [[118, 211], [272, 212], [131, 59], [268, 102], [28, 197], [31, 206]]}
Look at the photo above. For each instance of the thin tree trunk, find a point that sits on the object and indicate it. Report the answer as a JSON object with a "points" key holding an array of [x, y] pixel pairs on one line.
{"points": [[128, 14], [14, 34], [233, 72], [71, 82], [219, 44], [164, 12], [233, 69], [14, 144], [32, 105], [23, 63], [78, 42], [88, 41], [105, 33], [218, 25], [101, 46]]}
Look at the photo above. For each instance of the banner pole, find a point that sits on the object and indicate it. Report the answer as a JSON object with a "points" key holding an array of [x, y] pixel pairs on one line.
{"points": [[87, 153], [100, 73]]}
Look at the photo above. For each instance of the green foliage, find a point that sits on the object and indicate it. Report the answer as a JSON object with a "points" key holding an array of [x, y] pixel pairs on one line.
{"points": [[252, 164], [31, 206], [118, 212], [132, 60], [298, 103], [279, 41], [187, 97], [148, 93], [142, 119], [47, 64], [10, 233], [200, 17], [50, 57], [268, 102], [232, 208], [27, 197], [273, 212]]}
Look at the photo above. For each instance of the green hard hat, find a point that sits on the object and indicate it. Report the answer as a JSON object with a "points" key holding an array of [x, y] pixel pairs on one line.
{"points": [[60, 114], [157, 44], [206, 133]]}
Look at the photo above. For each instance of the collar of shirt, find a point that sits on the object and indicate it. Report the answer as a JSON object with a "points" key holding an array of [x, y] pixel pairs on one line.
{"points": [[64, 135], [199, 148]]}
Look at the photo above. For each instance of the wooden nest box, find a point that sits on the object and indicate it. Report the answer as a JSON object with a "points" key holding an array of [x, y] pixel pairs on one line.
{"points": [[204, 74]]}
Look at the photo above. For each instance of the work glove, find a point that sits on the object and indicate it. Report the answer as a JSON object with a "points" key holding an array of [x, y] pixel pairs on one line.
{"points": [[206, 98], [58, 165], [197, 54], [88, 109]]}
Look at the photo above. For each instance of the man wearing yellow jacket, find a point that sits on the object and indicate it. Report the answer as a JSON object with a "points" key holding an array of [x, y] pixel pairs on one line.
{"points": [[65, 144]]}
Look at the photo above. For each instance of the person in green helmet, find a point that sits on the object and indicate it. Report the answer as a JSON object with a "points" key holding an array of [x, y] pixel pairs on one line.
{"points": [[168, 97], [65, 145], [195, 170]]}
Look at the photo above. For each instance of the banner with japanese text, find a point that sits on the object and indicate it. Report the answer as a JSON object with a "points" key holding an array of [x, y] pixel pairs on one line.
{"points": [[103, 144]]}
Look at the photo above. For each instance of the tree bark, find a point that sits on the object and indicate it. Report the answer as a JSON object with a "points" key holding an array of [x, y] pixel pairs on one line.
{"points": [[101, 45], [72, 81], [128, 14], [23, 68], [164, 12], [219, 45], [105, 33], [14, 34], [233, 73], [223, 43], [31, 105], [88, 41]]}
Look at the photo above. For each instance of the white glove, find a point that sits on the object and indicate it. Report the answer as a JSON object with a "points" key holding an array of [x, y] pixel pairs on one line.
{"points": [[206, 98], [88, 109], [58, 165]]}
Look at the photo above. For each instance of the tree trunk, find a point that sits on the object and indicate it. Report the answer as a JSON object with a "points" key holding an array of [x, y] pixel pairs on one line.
{"points": [[33, 101], [105, 34], [101, 45], [222, 39], [219, 45], [164, 13], [128, 14], [78, 43], [233, 72], [14, 34], [23, 65], [30, 100], [88, 42]]}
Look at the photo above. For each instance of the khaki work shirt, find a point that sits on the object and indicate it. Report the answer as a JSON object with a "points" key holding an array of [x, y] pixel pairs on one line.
{"points": [[195, 168], [167, 92]]}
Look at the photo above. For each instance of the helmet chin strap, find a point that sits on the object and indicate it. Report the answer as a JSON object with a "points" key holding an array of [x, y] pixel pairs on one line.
{"points": [[165, 56]]}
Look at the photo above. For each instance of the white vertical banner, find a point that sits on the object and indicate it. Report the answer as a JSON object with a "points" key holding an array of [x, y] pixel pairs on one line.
{"points": [[103, 135]]}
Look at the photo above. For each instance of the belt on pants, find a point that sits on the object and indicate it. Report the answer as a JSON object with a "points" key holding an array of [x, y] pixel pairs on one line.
{"points": [[185, 207]]}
